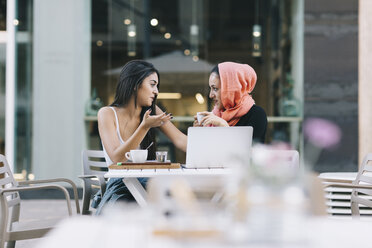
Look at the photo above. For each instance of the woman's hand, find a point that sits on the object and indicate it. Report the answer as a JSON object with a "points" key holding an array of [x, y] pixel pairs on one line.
{"points": [[150, 121], [196, 122], [210, 119]]}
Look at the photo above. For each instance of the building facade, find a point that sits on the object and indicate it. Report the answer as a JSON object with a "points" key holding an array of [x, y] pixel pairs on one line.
{"points": [[63, 60]]}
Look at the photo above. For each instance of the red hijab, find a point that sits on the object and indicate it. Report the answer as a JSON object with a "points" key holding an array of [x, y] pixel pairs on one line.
{"points": [[237, 82]]}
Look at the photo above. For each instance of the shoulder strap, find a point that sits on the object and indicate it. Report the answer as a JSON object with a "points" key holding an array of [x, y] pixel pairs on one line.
{"points": [[116, 118], [117, 126]]}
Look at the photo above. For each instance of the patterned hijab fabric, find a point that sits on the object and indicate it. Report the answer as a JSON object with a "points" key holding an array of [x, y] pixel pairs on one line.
{"points": [[237, 82]]}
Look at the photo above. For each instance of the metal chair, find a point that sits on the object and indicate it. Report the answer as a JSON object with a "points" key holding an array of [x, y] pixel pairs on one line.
{"points": [[94, 167], [11, 228], [361, 191]]}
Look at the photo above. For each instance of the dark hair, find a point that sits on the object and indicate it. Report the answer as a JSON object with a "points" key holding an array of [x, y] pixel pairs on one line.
{"points": [[130, 79], [215, 70]]}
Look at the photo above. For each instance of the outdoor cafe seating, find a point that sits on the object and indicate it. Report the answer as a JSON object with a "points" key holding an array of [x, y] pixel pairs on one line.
{"points": [[248, 215], [12, 228], [264, 206]]}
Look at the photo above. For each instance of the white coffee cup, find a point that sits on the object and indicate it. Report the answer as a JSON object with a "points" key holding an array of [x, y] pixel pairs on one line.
{"points": [[137, 156], [199, 116]]}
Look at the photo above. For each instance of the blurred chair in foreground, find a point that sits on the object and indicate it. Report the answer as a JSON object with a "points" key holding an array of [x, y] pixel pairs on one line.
{"points": [[289, 157], [94, 168], [11, 228]]}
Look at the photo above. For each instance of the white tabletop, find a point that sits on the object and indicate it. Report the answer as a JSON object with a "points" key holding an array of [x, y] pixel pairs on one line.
{"points": [[114, 173], [130, 178]]}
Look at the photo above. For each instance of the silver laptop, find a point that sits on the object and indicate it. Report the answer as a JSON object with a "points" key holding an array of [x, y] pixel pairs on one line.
{"points": [[209, 147]]}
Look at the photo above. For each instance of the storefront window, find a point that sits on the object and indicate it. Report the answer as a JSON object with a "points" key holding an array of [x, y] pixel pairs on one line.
{"points": [[2, 73], [184, 39], [22, 86], [23, 118]]}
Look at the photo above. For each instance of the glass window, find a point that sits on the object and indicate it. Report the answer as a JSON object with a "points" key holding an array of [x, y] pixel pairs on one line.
{"points": [[184, 39], [2, 74], [23, 88]]}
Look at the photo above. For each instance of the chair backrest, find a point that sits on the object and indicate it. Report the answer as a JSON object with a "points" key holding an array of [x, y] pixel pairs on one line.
{"points": [[364, 177], [6, 176], [94, 162], [12, 199]]}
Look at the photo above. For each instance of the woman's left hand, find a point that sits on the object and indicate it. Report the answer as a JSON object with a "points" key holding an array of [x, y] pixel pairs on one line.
{"points": [[212, 120], [150, 121]]}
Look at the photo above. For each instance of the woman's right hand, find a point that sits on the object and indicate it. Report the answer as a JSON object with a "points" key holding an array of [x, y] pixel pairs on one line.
{"points": [[150, 121], [196, 122], [211, 119]]}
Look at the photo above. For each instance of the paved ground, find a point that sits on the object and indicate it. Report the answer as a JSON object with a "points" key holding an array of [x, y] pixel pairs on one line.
{"points": [[36, 209]]}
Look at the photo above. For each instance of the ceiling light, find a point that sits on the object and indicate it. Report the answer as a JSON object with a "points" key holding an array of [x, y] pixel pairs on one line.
{"points": [[127, 21], [131, 44], [199, 98], [154, 22], [132, 30], [165, 95], [256, 35]]}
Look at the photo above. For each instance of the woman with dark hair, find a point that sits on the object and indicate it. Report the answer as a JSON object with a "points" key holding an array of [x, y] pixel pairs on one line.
{"points": [[230, 87], [129, 122]]}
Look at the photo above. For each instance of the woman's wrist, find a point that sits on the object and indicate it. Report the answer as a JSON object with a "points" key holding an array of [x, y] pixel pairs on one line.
{"points": [[144, 127], [224, 123]]}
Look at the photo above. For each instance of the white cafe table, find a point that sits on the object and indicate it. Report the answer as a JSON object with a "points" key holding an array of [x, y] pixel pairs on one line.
{"points": [[130, 178]]}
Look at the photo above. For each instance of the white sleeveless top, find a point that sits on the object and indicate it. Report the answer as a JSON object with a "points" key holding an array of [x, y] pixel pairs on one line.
{"points": [[107, 158]]}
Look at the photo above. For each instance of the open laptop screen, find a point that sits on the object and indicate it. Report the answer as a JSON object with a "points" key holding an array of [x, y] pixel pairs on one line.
{"points": [[209, 147]]}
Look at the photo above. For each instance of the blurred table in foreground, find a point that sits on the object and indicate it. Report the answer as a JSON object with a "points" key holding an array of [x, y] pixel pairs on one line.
{"points": [[135, 228]]}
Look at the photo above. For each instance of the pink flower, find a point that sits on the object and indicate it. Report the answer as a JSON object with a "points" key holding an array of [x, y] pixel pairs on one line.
{"points": [[322, 133]]}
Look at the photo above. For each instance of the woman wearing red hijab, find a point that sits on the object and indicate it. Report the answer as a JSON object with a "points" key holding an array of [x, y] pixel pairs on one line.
{"points": [[230, 87]]}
